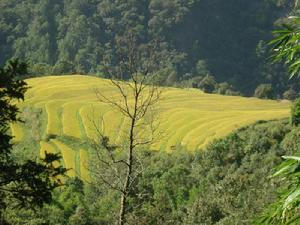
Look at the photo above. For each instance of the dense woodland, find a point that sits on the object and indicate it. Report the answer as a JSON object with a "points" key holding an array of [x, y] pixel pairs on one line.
{"points": [[227, 183], [218, 46]]}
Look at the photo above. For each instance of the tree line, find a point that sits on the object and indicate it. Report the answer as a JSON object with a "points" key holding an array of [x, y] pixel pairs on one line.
{"points": [[217, 46], [226, 183]]}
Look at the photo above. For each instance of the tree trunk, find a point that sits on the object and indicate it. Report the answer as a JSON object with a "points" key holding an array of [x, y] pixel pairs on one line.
{"points": [[122, 210], [123, 203]]}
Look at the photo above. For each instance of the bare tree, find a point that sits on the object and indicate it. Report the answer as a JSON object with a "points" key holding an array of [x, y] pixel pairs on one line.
{"points": [[135, 99]]}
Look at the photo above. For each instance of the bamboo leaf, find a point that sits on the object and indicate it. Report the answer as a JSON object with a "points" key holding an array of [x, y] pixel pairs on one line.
{"points": [[297, 158], [291, 198]]}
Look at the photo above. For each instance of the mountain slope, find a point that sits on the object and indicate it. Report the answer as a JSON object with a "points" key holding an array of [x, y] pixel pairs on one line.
{"points": [[186, 117]]}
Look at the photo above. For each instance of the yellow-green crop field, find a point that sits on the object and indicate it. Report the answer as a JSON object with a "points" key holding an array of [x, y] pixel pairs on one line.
{"points": [[186, 117]]}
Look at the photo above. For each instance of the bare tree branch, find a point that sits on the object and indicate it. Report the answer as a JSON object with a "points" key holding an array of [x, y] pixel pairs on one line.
{"points": [[137, 96]]}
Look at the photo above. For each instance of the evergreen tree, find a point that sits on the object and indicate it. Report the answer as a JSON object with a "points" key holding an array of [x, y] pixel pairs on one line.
{"points": [[27, 184]]}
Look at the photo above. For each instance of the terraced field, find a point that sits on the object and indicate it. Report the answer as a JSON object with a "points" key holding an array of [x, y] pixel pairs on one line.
{"points": [[186, 116]]}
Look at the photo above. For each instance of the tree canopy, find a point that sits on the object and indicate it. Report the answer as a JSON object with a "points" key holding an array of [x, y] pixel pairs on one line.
{"points": [[22, 184], [74, 36]]}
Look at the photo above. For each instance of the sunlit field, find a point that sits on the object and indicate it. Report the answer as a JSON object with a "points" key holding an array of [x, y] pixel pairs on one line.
{"points": [[186, 117]]}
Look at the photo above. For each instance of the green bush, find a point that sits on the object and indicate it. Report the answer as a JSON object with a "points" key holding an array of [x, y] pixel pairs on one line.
{"points": [[290, 94], [226, 89], [295, 112], [225, 184], [290, 144], [208, 84], [36, 69], [264, 91]]}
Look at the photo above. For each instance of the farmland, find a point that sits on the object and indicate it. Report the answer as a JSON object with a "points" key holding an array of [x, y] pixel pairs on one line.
{"points": [[186, 117]]}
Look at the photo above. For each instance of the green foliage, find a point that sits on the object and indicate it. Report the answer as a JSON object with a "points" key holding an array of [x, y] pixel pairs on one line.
{"points": [[290, 94], [228, 183], [289, 144], [67, 207], [285, 45], [228, 41], [207, 84], [201, 68], [232, 173], [295, 112], [285, 210], [226, 89], [25, 184], [264, 91], [216, 186]]}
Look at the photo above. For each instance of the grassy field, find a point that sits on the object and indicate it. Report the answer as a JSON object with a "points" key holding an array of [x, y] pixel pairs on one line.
{"points": [[187, 117]]}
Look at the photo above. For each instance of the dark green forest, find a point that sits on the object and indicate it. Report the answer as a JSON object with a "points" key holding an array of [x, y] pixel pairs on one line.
{"points": [[226, 40], [227, 183]]}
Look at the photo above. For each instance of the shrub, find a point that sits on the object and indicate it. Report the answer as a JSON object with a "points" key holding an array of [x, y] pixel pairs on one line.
{"points": [[223, 88], [208, 84], [195, 81], [226, 89], [264, 91], [295, 113], [201, 68], [62, 67], [290, 94], [290, 144], [172, 78], [37, 69]]}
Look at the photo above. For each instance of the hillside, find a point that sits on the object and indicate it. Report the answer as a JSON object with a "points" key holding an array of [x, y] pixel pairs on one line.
{"points": [[227, 39], [70, 113]]}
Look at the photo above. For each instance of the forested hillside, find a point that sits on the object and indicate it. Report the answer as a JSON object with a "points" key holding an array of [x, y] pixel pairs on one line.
{"points": [[226, 39], [228, 183]]}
